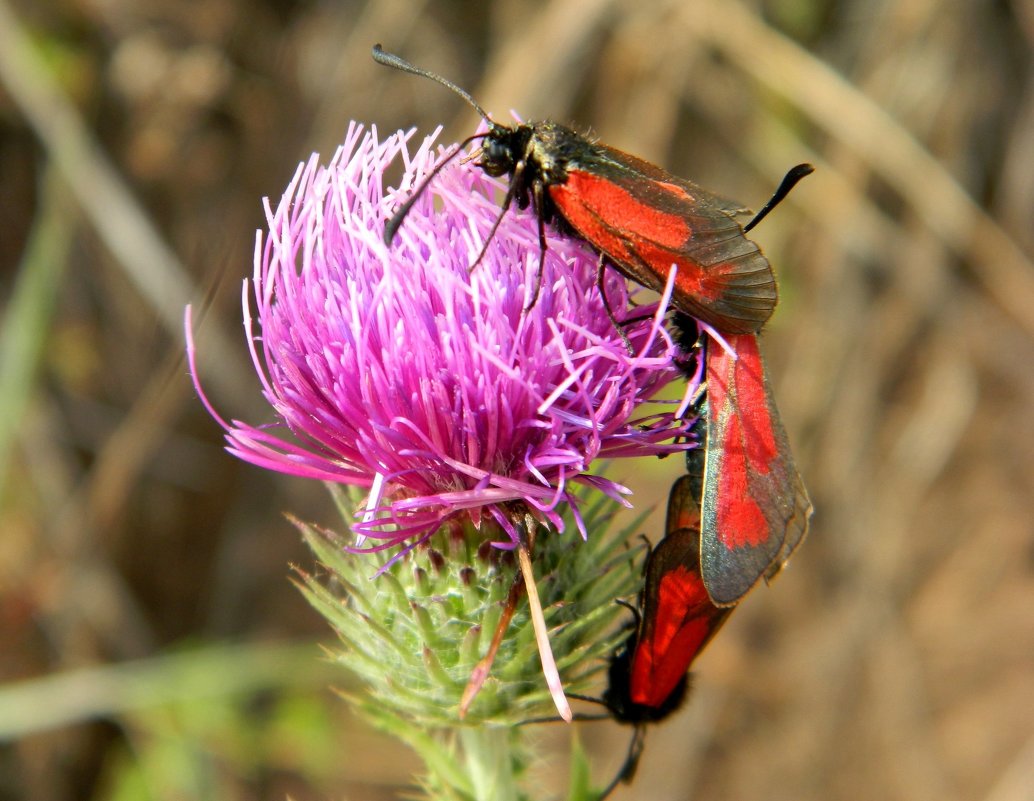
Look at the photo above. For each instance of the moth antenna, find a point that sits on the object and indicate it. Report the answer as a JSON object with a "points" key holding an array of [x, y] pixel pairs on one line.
{"points": [[399, 63], [392, 226], [790, 180]]}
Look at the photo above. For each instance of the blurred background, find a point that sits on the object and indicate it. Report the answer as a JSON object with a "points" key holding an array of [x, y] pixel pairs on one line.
{"points": [[151, 644]]}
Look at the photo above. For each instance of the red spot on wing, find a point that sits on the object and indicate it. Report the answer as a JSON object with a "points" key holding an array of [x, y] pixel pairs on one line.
{"points": [[646, 225], [675, 189], [739, 389], [683, 513], [755, 508], [746, 440], [741, 521], [678, 617], [585, 200], [681, 625], [632, 233], [697, 282]]}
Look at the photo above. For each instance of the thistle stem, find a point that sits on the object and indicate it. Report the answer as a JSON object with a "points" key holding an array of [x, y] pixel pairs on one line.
{"points": [[490, 758]]}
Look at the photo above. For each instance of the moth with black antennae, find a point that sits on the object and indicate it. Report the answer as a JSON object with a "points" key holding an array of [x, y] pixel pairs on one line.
{"points": [[642, 220], [648, 677]]}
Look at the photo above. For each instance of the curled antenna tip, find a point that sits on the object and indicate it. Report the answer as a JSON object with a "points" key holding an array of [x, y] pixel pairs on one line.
{"points": [[397, 62], [790, 180]]}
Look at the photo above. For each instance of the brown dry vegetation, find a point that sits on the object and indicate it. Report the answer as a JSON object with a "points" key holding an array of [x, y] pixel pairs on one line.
{"points": [[894, 660]]}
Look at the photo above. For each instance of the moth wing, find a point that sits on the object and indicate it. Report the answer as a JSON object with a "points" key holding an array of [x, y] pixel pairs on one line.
{"points": [[645, 220], [678, 618], [755, 508]]}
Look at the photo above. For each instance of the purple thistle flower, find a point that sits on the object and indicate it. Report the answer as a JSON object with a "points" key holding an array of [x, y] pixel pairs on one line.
{"points": [[397, 369]]}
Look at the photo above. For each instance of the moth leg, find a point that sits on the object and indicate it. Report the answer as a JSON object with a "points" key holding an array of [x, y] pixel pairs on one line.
{"points": [[537, 201], [507, 201], [601, 267]]}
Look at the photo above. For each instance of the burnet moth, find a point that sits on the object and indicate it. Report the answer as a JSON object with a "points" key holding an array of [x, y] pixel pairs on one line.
{"points": [[754, 506], [648, 677], [641, 218]]}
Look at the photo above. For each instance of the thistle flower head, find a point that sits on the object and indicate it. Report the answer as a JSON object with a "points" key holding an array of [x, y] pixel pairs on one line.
{"points": [[396, 368]]}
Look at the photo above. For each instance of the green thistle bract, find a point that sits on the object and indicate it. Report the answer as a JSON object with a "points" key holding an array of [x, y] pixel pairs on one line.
{"points": [[413, 634]]}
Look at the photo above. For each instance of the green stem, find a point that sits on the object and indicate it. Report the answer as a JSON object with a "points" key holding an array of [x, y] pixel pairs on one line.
{"points": [[491, 754]]}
